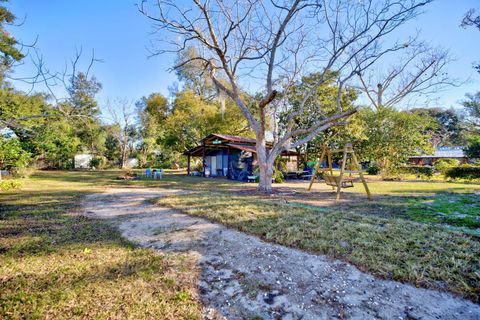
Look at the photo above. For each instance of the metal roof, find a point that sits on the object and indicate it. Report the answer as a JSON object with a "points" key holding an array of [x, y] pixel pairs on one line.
{"points": [[445, 152], [243, 147]]}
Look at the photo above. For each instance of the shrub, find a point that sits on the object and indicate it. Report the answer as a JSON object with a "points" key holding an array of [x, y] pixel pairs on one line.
{"points": [[9, 184], [473, 148], [278, 177], [12, 153], [373, 169], [444, 164], [466, 172], [99, 163], [22, 173], [418, 171]]}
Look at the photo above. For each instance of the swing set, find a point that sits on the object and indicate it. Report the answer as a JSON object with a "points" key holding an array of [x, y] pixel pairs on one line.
{"points": [[350, 166]]}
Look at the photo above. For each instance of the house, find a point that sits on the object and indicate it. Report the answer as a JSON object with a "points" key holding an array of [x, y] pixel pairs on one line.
{"points": [[440, 153], [229, 156]]}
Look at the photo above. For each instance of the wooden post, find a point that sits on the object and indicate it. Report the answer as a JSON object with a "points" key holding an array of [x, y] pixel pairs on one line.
{"points": [[228, 163], [203, 158], [317, 167], [188, 164], [330, 164], [354, 157], [340, 178]]}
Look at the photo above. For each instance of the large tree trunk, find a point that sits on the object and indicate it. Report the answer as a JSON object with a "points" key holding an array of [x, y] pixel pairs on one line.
{"points": [[124, 158], [265, 166], [265, 184]]}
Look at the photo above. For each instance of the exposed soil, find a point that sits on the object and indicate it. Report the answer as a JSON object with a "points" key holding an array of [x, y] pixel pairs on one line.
{"points": [[243, 277]]}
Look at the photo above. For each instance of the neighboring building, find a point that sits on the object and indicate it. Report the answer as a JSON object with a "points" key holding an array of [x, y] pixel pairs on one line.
{"points": [[82, 161], [133, 163], [230, 156], [440, 153]]}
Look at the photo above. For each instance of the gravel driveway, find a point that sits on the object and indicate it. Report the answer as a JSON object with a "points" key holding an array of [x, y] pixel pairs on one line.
{"points": [[243, 277]]}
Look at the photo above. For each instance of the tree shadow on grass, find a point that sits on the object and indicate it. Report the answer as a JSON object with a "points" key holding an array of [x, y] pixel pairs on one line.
{"points": [[387, 244], [46, 217], [58, 264]]}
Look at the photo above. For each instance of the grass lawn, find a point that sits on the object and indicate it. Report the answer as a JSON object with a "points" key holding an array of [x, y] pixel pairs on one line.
{"points": [[55, 264], [424, 233], [58, 265]]}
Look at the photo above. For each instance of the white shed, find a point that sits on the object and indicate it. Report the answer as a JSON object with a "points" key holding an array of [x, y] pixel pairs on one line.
{"points": [[133, 163], [82, 161]]}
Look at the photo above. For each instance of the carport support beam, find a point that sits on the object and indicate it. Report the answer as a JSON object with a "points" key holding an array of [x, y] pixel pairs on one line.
{"points": [[203, 158]]}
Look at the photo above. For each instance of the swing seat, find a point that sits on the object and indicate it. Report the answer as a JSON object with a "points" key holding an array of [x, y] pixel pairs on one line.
{"points": [[335, 181]]}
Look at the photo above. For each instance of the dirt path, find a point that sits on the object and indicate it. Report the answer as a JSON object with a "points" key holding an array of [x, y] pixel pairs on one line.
{"points": [[244, 277]]}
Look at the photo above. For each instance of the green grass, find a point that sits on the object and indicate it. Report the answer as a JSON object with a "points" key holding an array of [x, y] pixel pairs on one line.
{"points": [[58, 265], [393, 236], [451, 204], [55, 264]]}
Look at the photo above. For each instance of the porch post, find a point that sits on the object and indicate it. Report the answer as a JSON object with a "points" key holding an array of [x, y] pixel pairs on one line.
{"points": [[203, 158], [188, 164], [228, 163]]}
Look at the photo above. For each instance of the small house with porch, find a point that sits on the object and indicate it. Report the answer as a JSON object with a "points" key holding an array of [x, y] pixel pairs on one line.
{"points": [[233, 157]]}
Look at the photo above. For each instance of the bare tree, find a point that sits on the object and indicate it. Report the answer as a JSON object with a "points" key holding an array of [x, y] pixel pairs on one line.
{"points": [[269, 45], [471, 18], [417, 74], [123, 127], [57, 86]]}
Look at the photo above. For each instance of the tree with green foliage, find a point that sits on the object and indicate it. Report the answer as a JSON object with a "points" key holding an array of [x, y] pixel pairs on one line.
{"points": [[326, 96], [193, 118], [20, 112], [9, 46], [392, 136], [112, 147], [82, 108], [446, 129], [55, 143], [152, 112], [472, 112], [473, 148], [12, 153]]}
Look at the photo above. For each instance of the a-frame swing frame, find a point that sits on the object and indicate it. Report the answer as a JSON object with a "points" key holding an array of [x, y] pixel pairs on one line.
{"points": [[339, 182]]}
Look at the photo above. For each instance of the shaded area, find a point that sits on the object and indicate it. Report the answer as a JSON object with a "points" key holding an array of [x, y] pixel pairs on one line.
{"points": [[58, 264]]}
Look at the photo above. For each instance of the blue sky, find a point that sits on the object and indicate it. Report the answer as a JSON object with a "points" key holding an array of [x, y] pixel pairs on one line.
{"points": [[120, 35]]}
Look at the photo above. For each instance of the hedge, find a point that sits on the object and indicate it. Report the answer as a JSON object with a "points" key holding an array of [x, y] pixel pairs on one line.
{"points": [[419, 171], [466, 172]]}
